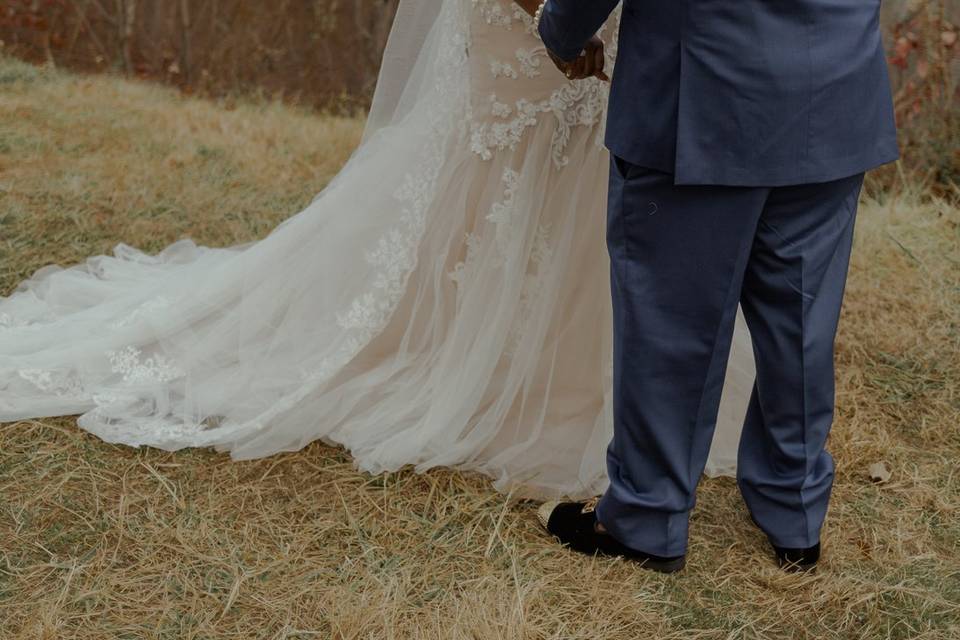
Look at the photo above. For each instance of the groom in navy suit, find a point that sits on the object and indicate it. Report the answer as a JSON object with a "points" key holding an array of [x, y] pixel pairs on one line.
{"points": [[739, 132]]}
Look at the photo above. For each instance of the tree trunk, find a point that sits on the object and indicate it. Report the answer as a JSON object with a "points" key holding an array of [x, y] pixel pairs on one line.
{"points": [[185, 57]]}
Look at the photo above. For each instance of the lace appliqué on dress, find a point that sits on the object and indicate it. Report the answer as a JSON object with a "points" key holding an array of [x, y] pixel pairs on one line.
{"points": [[64, 383], [494, 13], [580, 104], [130, 363], [503, 216], [572, 104]]}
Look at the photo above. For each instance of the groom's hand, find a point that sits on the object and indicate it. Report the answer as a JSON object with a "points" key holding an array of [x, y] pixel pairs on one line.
{"points": [[590, 62]]}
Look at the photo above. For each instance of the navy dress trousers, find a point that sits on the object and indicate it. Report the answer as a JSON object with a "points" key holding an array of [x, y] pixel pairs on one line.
{"points": [[739, 132]]}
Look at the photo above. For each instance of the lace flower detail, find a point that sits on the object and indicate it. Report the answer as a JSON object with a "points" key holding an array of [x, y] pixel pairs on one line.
{"points": [[502, 213], [130, 363], [533, 285], [59, 383], [499, 109], [494, 13], [459, 272], [530, 59], [502, 69]]}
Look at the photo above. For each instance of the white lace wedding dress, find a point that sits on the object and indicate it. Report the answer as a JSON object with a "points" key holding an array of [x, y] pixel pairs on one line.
{"points": [[444, 301]]}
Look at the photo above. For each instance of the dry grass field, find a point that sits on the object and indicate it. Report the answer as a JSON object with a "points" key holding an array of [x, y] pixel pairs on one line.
{"points": [[104, 541]]}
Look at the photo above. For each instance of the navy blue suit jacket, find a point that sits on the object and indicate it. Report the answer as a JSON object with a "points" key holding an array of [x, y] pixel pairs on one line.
{"points": [[741, 92]]}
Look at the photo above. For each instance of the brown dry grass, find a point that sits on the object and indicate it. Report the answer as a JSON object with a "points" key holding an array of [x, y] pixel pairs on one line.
{"points": [[104, 541]]}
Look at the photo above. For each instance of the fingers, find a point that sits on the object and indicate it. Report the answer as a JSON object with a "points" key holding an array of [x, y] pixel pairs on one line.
{"points": [[566, 68], [575, 69], [590, 63], [599, 61], [582, 67]]}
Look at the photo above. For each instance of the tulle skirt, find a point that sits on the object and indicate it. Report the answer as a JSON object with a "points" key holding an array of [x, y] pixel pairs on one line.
{"points": [[432, 306]]}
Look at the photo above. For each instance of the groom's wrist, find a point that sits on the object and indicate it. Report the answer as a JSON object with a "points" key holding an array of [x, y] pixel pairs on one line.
{"points": [[545, 27]]}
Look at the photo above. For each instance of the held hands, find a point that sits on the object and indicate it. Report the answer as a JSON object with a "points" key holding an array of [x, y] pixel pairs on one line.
{"points": [[591, 60], [590, 63]]}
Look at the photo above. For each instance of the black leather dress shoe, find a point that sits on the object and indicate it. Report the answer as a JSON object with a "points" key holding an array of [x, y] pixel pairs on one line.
{"points": [[794, 560], [798, 560], [574, 523]]}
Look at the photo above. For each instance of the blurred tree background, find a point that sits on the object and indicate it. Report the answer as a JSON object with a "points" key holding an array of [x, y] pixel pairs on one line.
{"points": [[325, 53], [320, 52]]}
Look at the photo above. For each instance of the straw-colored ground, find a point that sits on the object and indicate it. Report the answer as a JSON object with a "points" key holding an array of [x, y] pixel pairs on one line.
{"points": [[103, 541]]}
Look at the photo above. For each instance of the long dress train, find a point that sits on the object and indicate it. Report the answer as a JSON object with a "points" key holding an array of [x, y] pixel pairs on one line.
{"points": [[444, 301]]}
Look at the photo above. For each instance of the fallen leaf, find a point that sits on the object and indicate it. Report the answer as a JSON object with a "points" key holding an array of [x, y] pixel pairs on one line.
{"points": [[879, 472]]}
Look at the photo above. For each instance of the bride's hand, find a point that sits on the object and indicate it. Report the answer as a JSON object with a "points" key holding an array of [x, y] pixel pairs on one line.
{"points": [[590, 62]]}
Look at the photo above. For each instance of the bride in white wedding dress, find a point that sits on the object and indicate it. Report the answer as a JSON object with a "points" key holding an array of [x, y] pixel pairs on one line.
{"points": [[444, 301]]}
